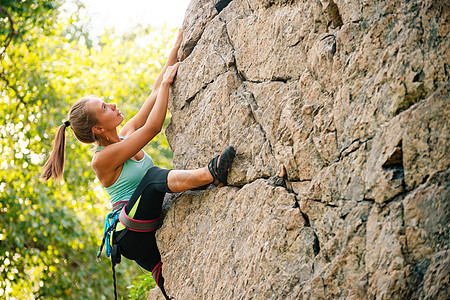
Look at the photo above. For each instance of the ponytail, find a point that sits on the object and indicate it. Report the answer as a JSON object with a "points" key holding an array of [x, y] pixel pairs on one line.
{"points": [[81, 121], [54, 167]]}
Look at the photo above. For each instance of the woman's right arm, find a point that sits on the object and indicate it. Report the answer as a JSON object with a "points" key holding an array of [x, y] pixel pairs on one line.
{"points": [[114, 155], [141, 117]]}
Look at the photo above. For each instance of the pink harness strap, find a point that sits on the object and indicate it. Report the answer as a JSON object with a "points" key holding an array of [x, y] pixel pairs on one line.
{"points": [[138, 225]]}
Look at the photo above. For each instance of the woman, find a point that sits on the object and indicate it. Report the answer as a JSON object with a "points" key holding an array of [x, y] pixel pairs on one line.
{"points": [[127, 172]]}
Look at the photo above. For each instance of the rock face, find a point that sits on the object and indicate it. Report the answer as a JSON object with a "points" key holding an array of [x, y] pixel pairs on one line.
{"points": [[339, 112]]}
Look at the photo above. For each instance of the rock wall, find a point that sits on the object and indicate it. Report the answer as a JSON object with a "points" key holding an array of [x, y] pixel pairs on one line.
{"points": [[339, 112]]}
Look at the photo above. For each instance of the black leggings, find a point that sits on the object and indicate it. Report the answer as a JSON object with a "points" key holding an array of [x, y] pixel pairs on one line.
{"points": [[141, 246]]}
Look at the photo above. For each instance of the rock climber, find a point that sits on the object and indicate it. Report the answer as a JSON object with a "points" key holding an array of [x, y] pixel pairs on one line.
{"points": [[135, 186]]}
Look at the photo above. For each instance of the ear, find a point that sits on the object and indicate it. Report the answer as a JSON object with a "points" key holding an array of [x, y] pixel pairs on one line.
{"points": [[97, 129]]}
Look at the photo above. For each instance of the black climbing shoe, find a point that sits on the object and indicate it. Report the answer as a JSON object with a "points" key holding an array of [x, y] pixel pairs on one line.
{"points": [[219, 165]]}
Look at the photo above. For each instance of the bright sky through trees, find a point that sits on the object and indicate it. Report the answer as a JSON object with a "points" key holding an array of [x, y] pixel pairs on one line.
{"points": [[125, 14]]}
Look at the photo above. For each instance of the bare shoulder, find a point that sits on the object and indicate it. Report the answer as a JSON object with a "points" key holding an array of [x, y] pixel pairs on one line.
{"points": [[96, 163], [101, 163], [105, 173]]}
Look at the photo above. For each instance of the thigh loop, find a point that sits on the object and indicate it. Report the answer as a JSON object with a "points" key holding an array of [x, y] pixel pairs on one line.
{"points": [[138, 225]]}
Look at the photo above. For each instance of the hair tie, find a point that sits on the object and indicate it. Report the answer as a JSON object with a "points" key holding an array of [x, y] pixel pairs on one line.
{"points": [[67, 123]]}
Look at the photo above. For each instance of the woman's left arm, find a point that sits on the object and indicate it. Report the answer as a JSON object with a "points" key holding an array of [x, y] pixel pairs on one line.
{"points": [[141, 117]]}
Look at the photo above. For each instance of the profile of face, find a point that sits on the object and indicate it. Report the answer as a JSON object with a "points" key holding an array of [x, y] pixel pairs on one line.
{"points": [[107, 115]]}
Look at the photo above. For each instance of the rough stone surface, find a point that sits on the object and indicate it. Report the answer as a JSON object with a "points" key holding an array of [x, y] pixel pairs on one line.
{"points": [[339, 112]]}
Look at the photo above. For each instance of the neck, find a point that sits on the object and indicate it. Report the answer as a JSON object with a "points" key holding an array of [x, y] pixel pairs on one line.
{"points": [[109, 138]]}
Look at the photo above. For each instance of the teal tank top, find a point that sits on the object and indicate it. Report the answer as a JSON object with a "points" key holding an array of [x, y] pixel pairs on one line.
{"points": [[132, 173]]}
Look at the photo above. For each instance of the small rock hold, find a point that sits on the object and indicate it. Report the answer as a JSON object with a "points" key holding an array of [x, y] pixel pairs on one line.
{"points": [[277, 181], [293, 219]]}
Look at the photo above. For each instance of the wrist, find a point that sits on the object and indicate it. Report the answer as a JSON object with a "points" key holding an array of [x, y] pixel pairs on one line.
{"points": [[165, 83], [175, 49]]}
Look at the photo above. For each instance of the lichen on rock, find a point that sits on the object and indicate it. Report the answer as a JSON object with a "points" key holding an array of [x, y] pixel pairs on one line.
{"points": [[339, 112]]}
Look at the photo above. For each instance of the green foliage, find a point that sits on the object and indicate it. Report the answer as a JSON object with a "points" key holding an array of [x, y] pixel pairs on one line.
{"points": [[141, 287], [50, 232], [26, 15]]}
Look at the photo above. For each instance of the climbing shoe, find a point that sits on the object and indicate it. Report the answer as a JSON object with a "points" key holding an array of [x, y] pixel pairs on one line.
{"points": [[219, 166]]}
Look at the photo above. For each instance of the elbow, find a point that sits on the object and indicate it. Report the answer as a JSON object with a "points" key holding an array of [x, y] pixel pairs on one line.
{"points": [[153, 129], [158, 129]]}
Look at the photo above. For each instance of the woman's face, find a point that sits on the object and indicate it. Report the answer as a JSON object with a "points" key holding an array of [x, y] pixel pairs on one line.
{"points": [[107, 114]]}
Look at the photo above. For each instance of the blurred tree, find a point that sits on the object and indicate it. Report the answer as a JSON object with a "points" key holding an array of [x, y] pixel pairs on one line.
{"points": [[50, 232]]}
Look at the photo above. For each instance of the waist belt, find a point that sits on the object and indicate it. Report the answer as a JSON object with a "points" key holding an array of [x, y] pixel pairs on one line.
{"points": [[138, 225], [133, 224]]}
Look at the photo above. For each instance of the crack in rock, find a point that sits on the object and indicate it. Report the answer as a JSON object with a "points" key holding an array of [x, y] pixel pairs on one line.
{"points": [[222, 4]]}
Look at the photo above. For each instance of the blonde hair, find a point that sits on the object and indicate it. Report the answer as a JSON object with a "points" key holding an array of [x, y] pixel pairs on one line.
{"points": [[81, 121]]}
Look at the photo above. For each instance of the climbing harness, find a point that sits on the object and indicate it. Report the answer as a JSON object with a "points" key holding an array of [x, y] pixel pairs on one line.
{"points": [[138, 225], [111, 243]]}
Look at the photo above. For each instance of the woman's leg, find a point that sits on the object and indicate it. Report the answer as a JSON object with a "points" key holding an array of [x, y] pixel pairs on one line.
{"points": [[157, 182], [183, 180], [152, 263], [142, 247], [216, 172]]}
